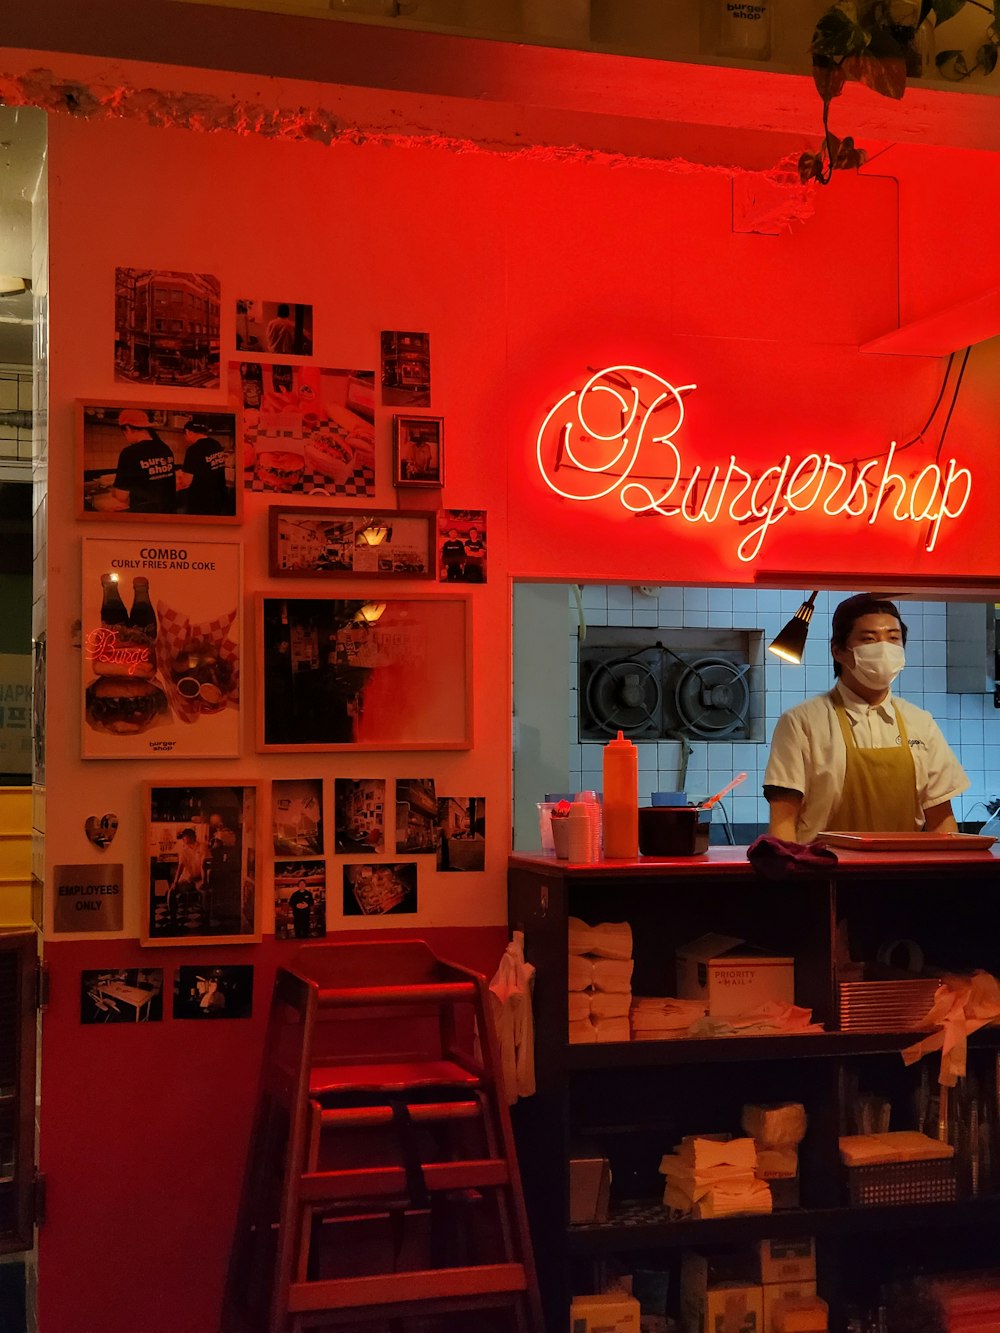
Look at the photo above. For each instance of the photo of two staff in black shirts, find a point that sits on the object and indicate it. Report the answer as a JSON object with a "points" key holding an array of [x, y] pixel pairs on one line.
{"points": [[147, 461]]}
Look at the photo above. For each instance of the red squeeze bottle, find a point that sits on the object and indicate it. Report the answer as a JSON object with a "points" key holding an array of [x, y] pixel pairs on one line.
{"points": [[621, 799]]}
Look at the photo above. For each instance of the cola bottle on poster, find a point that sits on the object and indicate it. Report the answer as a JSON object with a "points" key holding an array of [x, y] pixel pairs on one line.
{"points": [[252, 378], [113, 612], [142, 616], [281, 379]]}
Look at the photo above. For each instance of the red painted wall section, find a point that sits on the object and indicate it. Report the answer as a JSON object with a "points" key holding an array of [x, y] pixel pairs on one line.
{"points": [[144, 1138], [525, 271]]}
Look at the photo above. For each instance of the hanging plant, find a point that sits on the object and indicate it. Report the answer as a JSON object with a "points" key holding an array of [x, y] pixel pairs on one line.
{"points": [[882, 43]]}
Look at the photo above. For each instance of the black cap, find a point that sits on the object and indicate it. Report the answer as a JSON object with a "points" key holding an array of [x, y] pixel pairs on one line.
{"points": [[198, 426]]}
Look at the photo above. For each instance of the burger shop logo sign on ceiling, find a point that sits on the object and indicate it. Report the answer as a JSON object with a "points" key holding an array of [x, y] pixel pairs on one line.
{"points": [[589, 446]]}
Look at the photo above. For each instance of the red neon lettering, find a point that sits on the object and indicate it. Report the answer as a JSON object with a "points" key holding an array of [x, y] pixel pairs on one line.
{"points": [[589, 443], [102, 646]]}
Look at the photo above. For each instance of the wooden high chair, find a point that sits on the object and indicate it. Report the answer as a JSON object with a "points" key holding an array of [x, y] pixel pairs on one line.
{"points": [[381, 1190]]}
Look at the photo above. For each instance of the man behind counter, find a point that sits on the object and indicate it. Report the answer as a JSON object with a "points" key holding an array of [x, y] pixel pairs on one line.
{"points": [[857, 759]]}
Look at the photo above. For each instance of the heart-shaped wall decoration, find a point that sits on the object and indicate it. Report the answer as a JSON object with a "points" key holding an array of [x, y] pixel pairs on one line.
{"points": [[101, 830]]}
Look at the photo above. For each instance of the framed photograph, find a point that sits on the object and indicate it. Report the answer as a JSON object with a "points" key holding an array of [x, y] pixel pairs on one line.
{"points": [[143, 459], [201, 851], [364, 674], [161, 633], [322, 543], [418, 451]]}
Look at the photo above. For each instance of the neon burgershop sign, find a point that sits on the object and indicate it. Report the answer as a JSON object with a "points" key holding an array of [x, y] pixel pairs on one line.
{"points": [[619, 435]]}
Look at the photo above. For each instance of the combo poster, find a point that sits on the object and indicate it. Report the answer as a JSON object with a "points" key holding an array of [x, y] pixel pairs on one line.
{"points": [[161, 640]]}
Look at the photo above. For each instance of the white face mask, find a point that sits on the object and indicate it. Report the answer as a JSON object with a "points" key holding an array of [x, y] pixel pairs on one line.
{"points": [[878, 664]]}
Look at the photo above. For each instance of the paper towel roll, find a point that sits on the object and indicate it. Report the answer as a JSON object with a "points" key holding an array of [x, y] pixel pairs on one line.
{"points": [[775, 1124]]}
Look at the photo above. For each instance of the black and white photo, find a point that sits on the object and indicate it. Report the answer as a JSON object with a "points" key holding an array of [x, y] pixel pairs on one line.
{"points": [[213, 992], [121, 995], [201, 865], [142, 459], [167, 328], [284, 328], [324, 543]]}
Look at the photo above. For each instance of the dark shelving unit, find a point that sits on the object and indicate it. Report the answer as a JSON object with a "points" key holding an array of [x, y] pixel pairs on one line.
{"points": [[637, 1099]]}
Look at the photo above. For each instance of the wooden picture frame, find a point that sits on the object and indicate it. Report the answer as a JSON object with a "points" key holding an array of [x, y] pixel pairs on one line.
{"points": [[201, 862], [151, 468], [417, 452], [324, 542], [364, 673]]}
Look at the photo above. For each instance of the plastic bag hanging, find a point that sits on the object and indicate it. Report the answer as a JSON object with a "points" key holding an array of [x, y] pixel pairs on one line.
{"points": [[511, 990]]}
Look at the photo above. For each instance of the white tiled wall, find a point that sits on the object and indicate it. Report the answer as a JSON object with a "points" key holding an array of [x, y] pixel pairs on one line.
{"points": [[969, 721]]}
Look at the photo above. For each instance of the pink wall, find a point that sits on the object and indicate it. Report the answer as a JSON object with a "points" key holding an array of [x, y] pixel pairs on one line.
{"points": [[525, 272]]}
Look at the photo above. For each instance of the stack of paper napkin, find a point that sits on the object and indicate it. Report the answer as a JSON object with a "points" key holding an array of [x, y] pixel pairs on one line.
{"points": [[662, 1018], [600, 981], [714, 1177]]}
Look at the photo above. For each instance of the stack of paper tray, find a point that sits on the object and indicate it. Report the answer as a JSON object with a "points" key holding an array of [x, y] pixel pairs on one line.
{"points": [[886, 1006]]}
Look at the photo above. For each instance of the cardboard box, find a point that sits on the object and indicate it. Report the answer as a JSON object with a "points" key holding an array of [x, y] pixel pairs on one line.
{"points": [[589, 1185], [731, 1307], [792, 1259], [801, 1314], [731, 977], [610, 1313], [778, 1291], [715, 1289]]}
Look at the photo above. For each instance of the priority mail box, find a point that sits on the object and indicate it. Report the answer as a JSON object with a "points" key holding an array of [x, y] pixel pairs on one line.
{"points": [[732, 977]]}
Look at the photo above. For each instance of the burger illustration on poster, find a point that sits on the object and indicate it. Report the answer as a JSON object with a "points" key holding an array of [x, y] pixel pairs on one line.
{"points": [[161, 649]]}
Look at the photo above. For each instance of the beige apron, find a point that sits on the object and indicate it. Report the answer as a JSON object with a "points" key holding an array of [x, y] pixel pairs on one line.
{"points": [[880, 785]]}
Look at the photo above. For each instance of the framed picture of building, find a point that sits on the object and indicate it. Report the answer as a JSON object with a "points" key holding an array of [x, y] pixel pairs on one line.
{"points": [[364, 673], [418, 451], [201, 864], [144, 460], [324, 543]]}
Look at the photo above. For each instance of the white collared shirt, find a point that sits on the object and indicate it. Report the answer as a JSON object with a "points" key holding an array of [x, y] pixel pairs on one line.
{"points": [[808, 755]]}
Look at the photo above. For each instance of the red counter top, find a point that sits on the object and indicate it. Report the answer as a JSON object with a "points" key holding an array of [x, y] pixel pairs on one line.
{"points": [[732, 861]]}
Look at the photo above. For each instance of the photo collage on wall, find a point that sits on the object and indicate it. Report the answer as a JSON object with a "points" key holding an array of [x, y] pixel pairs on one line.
{"points": [[135, 995], [165, 651]]}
